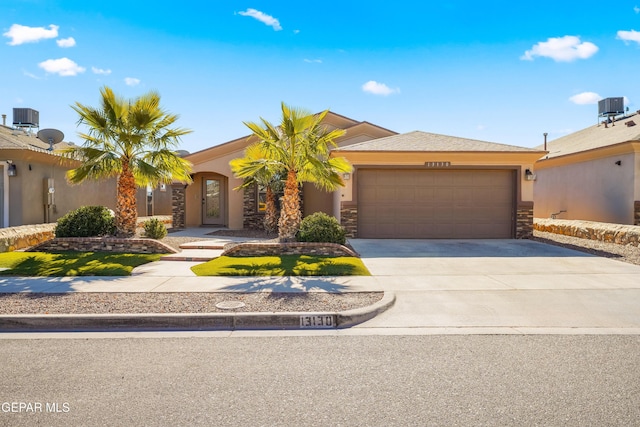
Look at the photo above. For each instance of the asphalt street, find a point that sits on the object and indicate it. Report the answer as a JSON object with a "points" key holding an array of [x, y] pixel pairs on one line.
{"points": [[488, 380]]}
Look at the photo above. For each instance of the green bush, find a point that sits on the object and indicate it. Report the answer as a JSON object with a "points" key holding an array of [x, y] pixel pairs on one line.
{"points": [[86, 221], [320, 227], [154, 229]]}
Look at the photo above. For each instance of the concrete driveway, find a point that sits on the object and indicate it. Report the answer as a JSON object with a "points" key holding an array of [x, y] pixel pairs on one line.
{"points": [[518, 284]]}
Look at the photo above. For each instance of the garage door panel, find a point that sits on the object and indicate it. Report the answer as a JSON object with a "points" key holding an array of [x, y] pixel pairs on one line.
{"points": [[465, 179], [405, 194], [443, 196], [424, 194], [444, 180], [435, 203]]}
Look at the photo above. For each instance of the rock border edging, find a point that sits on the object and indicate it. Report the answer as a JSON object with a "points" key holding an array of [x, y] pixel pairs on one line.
{"points": [[620, 234], [103, 244], [287, 248]]}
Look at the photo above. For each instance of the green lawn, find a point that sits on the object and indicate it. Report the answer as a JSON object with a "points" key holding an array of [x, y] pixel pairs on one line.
{"points": [[72, 263], [285, 265]]}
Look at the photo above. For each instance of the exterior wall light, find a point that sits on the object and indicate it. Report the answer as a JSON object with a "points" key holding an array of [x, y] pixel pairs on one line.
{"points": [[346, 176], [529, 176], [12, 170]]}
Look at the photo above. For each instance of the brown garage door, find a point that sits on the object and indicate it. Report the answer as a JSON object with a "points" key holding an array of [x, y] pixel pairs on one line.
{"points": [[435, 204]]}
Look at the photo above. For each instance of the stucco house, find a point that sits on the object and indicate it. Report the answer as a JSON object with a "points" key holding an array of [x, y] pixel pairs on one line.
{"points": [[592, 174], [33, 188], [414, 185]]}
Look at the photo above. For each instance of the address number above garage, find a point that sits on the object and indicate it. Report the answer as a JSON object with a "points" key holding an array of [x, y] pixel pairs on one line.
{"points": [[437, 164]]}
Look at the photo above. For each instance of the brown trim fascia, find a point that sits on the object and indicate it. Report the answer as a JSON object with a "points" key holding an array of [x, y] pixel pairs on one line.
{"points": [[627, 147]]}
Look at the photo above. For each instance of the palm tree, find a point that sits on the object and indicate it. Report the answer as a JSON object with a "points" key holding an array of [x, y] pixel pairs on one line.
{"points": [[301, 145], [131, 140], [256, 169]]}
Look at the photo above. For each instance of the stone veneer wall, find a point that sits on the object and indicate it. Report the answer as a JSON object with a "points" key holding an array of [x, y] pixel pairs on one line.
{"points": [[524, 221], [251, 218], [25, 236], [103, 244], [610, 233], [636, 212], [349, 220], [179, 206], [290, 248]]}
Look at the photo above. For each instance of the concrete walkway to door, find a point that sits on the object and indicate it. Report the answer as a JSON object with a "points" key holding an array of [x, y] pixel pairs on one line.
{"points": [[518, 284]]}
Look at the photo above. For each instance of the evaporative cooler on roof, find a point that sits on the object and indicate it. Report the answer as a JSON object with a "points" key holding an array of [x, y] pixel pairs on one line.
{"points": [[26, 117], [610, 107]]}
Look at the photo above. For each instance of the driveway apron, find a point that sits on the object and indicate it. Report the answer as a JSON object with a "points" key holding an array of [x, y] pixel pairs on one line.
{"points": [[518, 284]]}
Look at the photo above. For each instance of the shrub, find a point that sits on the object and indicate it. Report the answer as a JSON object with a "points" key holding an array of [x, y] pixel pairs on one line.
{"points": [[154, 229], [87, 221], [320, 227]]}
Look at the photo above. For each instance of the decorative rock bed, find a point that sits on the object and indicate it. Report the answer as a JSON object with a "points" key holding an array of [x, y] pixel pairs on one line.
{"points": [[288, 248], [603, 232]]}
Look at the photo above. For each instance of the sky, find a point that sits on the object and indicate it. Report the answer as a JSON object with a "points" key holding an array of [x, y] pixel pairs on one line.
{"points": [[499, 71]]}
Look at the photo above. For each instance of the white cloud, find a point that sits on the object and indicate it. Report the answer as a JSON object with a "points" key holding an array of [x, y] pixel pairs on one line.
{"points": [[481, 127], [378, 88], [62, 67], [20, 34], [68, 42], [100, 71], [313, 61], [629, 36], [263, 17], [585, 98], [561, 49], [28, 74], [296, 31], [131, 81], [636, 9]]}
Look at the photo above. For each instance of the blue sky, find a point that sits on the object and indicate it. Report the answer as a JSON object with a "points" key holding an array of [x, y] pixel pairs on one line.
{"points": [[498, 71]]}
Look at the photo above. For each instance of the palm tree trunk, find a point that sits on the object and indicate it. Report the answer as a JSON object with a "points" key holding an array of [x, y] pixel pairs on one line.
{"points": [[271, 213], [290, 215], [126, 206]]}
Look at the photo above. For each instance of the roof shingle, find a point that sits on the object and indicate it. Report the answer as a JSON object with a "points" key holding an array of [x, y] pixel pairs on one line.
{"points": [[425, 141], [596, 136]]}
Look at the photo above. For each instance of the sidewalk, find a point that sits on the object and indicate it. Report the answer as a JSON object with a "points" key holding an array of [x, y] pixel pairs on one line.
{"points": [[173, 274], [493, 286]]}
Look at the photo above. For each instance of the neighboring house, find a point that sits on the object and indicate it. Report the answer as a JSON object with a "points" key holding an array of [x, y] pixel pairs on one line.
{"points": [[28, 169], [592, 174], [415, 185]]}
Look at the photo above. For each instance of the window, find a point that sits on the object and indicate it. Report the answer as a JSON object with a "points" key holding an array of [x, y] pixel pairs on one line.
{"points": [[261, 197]]}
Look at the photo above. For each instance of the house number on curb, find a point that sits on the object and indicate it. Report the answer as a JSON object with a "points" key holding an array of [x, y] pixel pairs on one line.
{"points": [[316, 321]]}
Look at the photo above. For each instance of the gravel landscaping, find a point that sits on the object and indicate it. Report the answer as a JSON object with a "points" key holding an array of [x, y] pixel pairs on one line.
{"points": [[192, 302], [624, 253]]}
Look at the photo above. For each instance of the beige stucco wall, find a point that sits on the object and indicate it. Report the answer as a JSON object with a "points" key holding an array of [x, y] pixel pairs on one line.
{"points": [[24, 194], [161, 201], [636, 184], [593, 190], [234, 198]]}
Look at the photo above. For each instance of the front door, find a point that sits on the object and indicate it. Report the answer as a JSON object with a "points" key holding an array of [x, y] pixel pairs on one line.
{"points": [[212, 201]]}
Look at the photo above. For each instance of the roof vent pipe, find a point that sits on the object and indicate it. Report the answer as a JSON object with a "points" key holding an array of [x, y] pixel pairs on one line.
{"points": [[4, 120], [545, 141]]}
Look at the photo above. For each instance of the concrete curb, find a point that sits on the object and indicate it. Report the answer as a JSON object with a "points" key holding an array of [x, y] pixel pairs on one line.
{"points": [[193, 321]]}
